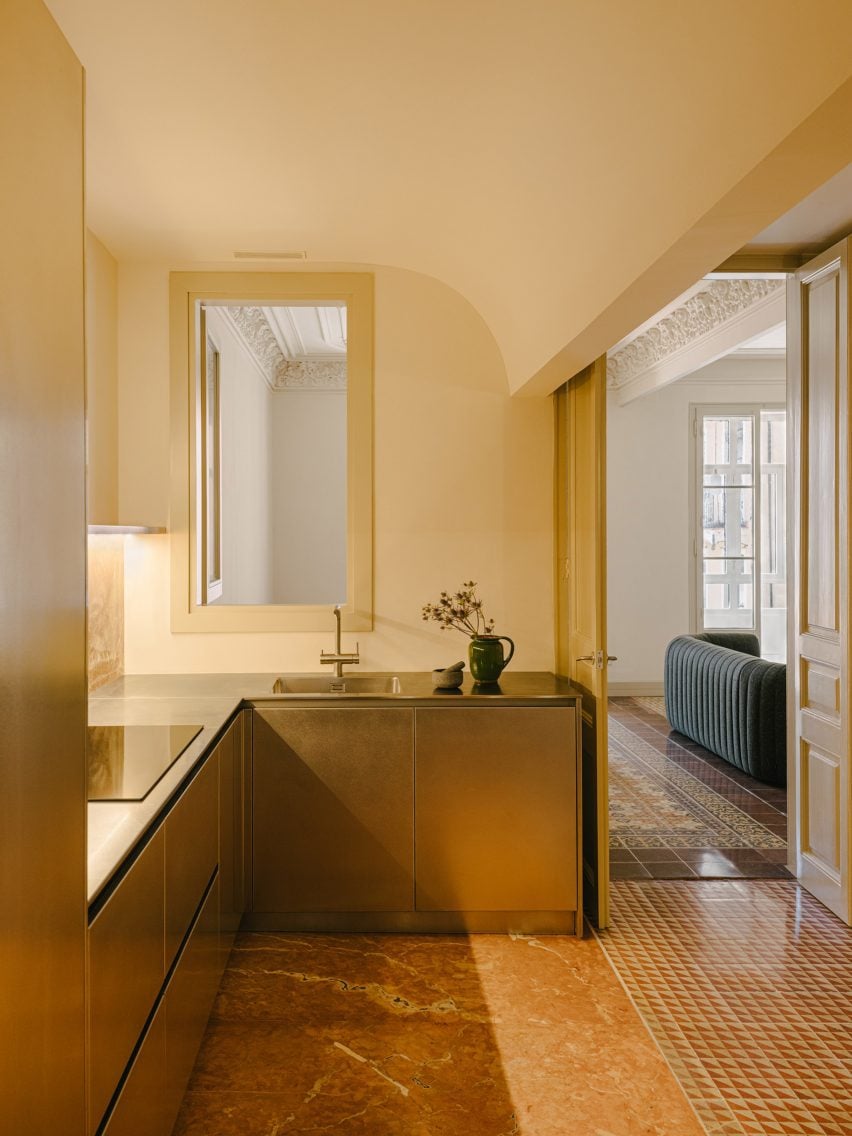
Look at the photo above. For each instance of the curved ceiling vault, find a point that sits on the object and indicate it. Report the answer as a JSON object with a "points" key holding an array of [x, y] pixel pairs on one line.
{"points": [[567, 165]]}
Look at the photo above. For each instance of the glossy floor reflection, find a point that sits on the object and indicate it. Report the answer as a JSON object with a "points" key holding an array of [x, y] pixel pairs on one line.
{"points": [[395, 1035], [747, 988], [679, 812]]}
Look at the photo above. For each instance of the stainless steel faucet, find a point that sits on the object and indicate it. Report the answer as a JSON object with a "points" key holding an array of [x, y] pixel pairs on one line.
{"points": [[338, 658]]}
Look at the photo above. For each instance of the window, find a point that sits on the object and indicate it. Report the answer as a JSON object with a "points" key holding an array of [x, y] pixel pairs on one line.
{"points": [[739, 543]]}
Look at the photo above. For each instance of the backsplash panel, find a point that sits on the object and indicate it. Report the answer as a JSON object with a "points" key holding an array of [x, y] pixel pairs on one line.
{"points": [[105, 609]]}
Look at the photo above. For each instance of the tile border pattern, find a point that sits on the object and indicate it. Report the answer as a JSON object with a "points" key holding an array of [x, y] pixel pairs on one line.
{"points": [[680, 812], [696, 797]]}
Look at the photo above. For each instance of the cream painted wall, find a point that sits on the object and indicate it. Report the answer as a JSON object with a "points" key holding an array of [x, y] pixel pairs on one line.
{"points": [[648, 489], [463, 488], [585, 204], [101, 383], [308, 505], [246, 409]]}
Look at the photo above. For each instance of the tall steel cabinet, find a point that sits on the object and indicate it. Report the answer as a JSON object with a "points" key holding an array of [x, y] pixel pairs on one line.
{"points": [[43, 572]]}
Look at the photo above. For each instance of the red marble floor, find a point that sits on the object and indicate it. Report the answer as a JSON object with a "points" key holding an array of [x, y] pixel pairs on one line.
{"points": [[412, 1035]]}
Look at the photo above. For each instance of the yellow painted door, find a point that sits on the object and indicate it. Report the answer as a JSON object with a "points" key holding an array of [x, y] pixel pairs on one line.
{"points": [[818, 321], [581, 653]]}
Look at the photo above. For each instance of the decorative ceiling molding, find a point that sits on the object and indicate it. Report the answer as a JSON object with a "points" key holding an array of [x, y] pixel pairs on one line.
{"points": [[312, 376], [279, 373], [707, 325]]}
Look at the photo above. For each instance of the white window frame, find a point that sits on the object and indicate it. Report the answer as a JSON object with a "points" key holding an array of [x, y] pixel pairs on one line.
{"points": [[697, 411], [211, 585]]}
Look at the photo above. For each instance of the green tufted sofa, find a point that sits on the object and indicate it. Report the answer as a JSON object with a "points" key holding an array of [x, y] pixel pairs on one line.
{"points": [[720, 693]]}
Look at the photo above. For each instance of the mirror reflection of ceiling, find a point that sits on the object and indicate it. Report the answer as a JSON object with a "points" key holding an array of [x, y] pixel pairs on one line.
{"points": [[297, 347], [568, 166], [305, 332]]}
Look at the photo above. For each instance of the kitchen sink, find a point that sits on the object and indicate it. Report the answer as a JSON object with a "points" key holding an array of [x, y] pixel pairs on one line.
{"points": [[329, 685]]}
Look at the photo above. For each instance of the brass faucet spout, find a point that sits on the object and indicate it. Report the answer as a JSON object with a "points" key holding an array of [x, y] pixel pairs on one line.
{"points": [[338, 658]]}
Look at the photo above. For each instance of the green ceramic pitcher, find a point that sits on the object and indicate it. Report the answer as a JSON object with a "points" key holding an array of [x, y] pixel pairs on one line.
{"points": [[486, 656]]}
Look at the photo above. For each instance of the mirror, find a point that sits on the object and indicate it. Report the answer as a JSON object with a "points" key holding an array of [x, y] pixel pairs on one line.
{"points": [[273, 454], [271, 450]]}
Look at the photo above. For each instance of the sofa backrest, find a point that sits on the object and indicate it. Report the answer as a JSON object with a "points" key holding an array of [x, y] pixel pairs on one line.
{"points": [[730, 701], [742, 641]]}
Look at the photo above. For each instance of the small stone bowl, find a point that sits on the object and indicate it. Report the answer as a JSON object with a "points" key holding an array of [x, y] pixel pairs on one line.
{"points": [[447, 680]]}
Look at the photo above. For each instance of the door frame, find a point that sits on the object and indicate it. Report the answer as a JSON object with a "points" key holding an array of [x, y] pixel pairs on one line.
{"points": [[580, 605]]}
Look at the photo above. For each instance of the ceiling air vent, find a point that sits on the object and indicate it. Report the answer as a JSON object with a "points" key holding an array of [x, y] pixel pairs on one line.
{"points": [[248, 254]]}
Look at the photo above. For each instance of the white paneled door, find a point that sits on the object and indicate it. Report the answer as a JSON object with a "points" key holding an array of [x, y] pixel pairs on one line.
{"points": [[818, 669]]}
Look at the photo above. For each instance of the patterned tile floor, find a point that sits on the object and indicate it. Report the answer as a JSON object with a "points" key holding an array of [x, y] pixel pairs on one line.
{"points": [[746, 986], [679, 812]]}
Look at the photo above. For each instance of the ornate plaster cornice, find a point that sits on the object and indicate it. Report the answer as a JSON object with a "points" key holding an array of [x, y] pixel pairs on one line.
{"points": [[282, 374], [310, 375], [719, 303]]}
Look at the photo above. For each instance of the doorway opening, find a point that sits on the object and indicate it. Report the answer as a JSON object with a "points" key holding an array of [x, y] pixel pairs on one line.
{"points": [[696, 544]]}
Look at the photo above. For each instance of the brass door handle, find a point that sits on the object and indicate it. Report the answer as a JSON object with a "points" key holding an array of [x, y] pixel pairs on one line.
{"points": [[597, 660]]}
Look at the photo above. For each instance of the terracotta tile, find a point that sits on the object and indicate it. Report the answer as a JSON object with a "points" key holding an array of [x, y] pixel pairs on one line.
{"points": [[747, 988], [775, 855], [634, 871], [717, 867], [658, 855], [671, 871]]}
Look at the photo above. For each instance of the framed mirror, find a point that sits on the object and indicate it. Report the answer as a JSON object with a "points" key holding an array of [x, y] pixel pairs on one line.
{"points": [[272, 495]]}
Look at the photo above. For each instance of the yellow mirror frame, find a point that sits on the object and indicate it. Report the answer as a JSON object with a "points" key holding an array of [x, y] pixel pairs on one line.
{"points": [[187, 291]]}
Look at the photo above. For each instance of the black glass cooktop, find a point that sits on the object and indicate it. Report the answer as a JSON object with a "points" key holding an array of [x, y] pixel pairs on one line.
{"points": [[126, 762]]}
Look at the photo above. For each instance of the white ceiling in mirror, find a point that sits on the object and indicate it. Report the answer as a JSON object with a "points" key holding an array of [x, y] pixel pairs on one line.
{"points": [[306, 333], [296, 347]]}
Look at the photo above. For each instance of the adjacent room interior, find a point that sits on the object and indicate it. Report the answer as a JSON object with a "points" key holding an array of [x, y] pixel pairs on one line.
{"points": [[696, 477]]}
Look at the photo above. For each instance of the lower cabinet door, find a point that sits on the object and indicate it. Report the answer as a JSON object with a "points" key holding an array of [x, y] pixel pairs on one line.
{"points": [[189, 999], [141, 1107], [192, 851], [496, 793], [125, 973], [333, 809], [231, 833]]}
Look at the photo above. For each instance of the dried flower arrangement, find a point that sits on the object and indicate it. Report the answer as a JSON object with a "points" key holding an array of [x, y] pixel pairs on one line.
{"points": [[462, 612]]}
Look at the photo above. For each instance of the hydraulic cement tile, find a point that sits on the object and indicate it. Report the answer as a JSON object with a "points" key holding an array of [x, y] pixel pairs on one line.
{"points": [[747, 988]]}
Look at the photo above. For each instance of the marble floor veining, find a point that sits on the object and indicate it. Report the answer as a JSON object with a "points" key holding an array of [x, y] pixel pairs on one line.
{"points": [[413, 1035], [708, 1008]]}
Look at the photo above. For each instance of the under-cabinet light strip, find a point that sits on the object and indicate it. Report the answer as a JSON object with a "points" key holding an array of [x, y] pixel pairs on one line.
{"points": [[117, 530]]}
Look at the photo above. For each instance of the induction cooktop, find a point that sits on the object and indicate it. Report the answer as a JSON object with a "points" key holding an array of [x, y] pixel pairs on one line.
{"points": [[126, 762]]}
